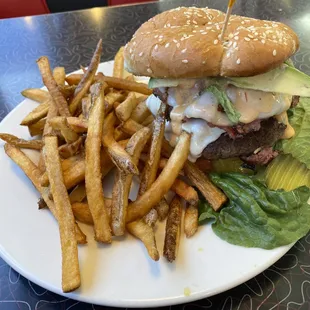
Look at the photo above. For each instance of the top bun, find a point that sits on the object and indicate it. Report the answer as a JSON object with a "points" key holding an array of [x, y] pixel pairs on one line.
{"points": [[184, 43]]}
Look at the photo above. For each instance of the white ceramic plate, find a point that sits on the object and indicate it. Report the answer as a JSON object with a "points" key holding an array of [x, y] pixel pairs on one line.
{"points": [[120, 274]]}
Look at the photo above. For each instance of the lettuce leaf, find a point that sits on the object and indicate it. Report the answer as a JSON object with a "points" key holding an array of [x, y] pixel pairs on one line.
{"points": [[256, 216], [299, 145], [224, 101]]}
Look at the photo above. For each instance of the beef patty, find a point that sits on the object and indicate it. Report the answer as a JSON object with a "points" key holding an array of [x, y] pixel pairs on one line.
{"points": [[224, 147]]}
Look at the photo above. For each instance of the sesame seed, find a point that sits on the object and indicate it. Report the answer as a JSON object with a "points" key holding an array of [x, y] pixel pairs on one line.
{"points": [[141, 54], [235, 45], [178, 45], [230, 36], [149, 70], [184, 50], [167, 45], [159, 40], [130, 50], [274, 53], [168, 25], [215, 42], [161, 36], [203, 62], [228, 55], [185, 61], [274, 37], [194, 22], [134, 43], [156, 47], [242, 22], [236, 33], [238, 61], [263, 41], [247, 39], [175, 41], [155, 37], [256, 33], [250, 36], [236, 38], [204, 33]]}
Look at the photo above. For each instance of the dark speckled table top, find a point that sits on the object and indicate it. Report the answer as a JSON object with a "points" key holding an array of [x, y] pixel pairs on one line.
{"points": [[69, 39]]}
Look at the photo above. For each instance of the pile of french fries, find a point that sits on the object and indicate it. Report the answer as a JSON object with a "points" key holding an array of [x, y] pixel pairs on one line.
{"points": [[84, 126]]}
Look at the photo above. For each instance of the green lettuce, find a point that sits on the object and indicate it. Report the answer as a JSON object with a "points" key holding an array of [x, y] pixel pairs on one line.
{"points": [[256, 216], [224, 101], [299, 145]]}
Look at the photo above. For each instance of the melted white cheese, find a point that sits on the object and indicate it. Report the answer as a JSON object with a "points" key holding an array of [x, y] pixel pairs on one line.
{"points": [[202, 136]]}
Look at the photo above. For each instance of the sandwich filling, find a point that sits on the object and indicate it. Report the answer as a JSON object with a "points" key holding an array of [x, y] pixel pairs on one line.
{"points": [[210, 112]]}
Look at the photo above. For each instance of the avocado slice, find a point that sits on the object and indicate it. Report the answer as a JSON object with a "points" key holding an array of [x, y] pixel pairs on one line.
{"points": [[157, 83], [285, 80]]}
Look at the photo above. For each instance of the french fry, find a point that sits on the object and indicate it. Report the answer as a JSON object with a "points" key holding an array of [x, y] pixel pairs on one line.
{"points": [[123, 181], [162, 209], [191, 220], [173, 226], [21, 143], [86, 104], [82, 213], [36, 94], [141, 112], [118, 155], [36, 129], [130, 126], [145, 233], [75, 173], [151, 165], [59, 75], [151, 218], [118, 69], [71, 279], [72, 161], [212, 194], [78, 193], [119, 83], [50, 83], [114, 82], [111, 98], [60, 123], [48, 130], [163, 183], [67, 90], [148, 120], [93, 175], [124, 110], [36, 114], [87, 79], [69, 149], [77, 124], [42, 204], [185, 191]]}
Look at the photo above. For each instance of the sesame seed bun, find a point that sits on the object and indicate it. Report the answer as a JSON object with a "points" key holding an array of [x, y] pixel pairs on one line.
{"points": [[184, 43]]}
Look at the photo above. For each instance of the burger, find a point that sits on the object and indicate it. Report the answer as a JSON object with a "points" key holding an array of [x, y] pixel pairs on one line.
{"points": [[230, 92]]}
